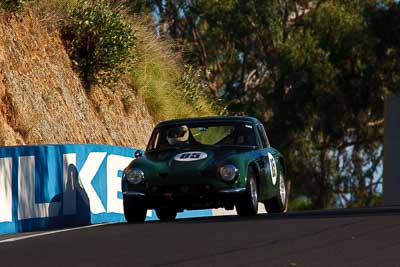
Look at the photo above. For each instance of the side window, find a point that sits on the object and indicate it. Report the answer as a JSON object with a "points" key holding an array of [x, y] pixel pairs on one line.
{"points": [[154, 141], [263, 136]]}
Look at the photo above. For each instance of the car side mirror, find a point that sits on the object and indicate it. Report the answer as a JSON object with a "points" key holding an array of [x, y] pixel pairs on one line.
{"points": [[138, 154]]}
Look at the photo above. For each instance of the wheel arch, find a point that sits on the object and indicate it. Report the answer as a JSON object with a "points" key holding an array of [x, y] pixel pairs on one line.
{"points": [[256, 169]]}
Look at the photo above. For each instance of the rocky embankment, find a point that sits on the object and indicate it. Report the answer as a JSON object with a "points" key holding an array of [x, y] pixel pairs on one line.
{"points": [[42, 100]]}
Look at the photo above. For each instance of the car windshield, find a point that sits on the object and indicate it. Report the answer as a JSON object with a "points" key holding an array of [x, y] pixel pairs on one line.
{"points": [[204, 134]]}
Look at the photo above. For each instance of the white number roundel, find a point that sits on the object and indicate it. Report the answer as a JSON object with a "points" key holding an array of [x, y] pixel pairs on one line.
{"points": [[272, 168], [190, 156]]}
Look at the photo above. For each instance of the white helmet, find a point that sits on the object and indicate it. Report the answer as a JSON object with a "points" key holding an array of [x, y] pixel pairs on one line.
{"points": [[178, 135]]}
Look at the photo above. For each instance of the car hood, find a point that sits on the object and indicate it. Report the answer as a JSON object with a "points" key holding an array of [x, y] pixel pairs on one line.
{"points": [[188, 162]]}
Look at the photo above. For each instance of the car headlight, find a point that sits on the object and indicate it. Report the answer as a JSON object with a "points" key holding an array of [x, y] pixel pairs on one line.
{"points": [[228, 172], [135, 176]]}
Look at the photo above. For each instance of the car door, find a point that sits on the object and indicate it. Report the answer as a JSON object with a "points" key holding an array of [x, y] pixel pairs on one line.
{"points": [[263, 162], [271, 168]]}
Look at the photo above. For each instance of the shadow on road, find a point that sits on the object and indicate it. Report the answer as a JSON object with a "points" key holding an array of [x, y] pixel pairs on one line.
{"points": [[317, 214]]}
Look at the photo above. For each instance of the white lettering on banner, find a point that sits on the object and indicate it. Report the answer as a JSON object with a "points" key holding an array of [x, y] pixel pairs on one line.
{"points": [[70, 181], [27, 208], [86, 175], [5, 190], [115, 164]]}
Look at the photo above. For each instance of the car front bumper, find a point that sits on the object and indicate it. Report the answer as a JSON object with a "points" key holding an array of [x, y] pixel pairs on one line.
{"points": [[225, 197]]}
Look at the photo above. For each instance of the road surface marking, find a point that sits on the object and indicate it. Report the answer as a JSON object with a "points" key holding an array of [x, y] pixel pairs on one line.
{"points": [[51, 233]]}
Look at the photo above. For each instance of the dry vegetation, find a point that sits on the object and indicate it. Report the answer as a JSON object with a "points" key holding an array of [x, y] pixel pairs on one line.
{"points": [[42, 99]]}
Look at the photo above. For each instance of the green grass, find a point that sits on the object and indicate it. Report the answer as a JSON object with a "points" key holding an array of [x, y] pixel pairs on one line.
{"points": [[169, 89]]}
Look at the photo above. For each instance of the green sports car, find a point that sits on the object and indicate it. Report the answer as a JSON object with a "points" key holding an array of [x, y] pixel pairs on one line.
{"points": [[203, 163]]}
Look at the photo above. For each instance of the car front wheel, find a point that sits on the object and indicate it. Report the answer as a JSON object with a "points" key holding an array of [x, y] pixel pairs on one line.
{"points": [[133, 210], [248, 205]]}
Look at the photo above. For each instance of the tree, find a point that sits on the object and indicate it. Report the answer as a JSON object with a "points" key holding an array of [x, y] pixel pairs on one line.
{"points": [[333, 88], [316, 73]]}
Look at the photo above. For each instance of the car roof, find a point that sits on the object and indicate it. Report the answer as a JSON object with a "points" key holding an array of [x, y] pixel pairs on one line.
{"points": [[247, 119]]}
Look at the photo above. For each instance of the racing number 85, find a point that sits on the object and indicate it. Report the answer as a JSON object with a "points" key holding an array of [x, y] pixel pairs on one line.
{"points": [[190, 156]]}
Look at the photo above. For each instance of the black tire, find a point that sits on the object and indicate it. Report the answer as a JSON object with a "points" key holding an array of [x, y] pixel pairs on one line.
{"points": [[248, 204], [134, 210], [278, 203], [166, 214]]}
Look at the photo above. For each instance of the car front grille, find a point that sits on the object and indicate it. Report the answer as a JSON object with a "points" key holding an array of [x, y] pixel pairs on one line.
{"points": [[181, 189]]}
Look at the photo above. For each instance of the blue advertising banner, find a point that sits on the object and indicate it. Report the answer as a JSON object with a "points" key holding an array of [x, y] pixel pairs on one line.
{"points": [[52, 186]]}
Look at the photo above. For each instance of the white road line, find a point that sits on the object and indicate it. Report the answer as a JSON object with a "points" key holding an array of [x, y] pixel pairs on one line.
{"points": [[51, 233]]}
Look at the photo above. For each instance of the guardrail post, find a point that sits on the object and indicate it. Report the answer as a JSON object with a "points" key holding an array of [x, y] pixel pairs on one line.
{"points": [[391, 161]]}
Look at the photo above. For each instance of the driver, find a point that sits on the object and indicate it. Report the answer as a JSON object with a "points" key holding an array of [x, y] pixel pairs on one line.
{"points": [[178, 135]]}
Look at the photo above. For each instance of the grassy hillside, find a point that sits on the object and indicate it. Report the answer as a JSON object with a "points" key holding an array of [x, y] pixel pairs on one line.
{"points": [[156, 71], [44, 98], [170, 89]]}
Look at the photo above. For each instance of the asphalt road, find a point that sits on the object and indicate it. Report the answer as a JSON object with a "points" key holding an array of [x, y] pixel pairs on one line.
{"points": [[368, 237]]}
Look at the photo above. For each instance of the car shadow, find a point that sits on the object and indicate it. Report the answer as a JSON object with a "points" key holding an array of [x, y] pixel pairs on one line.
{"points": [[299, 215]]}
